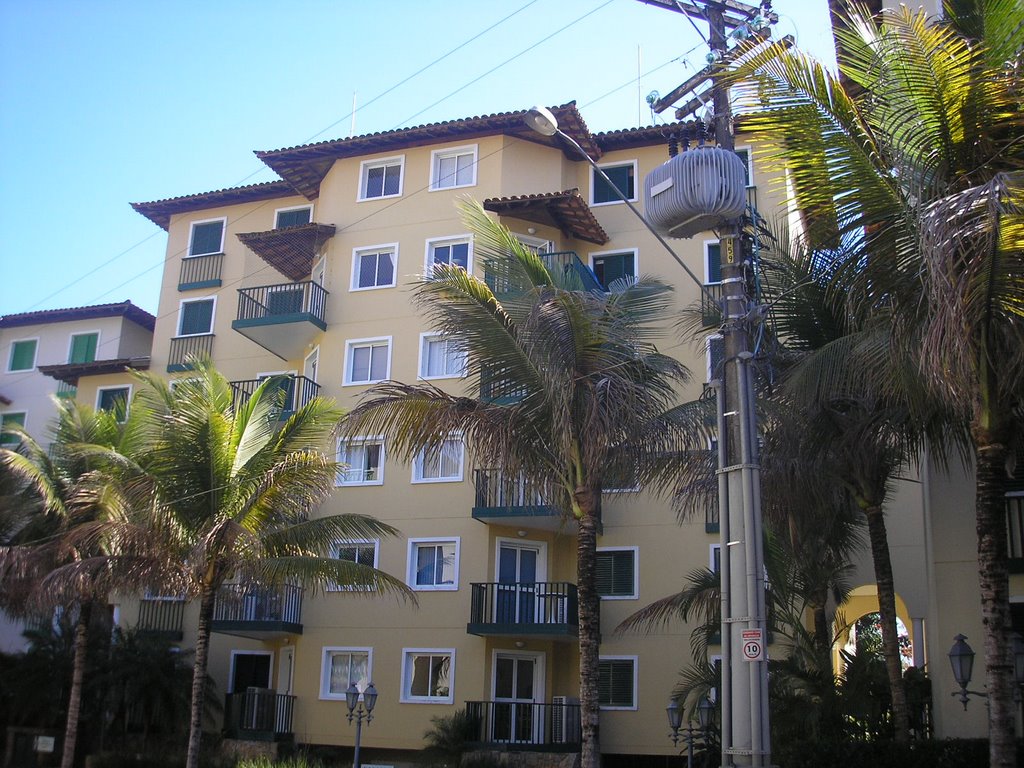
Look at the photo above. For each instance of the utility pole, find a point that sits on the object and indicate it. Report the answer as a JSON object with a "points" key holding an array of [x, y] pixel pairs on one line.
{"points": [[744, 694]]}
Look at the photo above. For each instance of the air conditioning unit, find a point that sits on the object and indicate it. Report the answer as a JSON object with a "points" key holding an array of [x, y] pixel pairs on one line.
{"points": [[565, 719]]}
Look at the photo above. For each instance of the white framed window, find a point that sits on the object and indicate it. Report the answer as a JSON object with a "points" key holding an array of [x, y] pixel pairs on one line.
{"points": [[434, 564], [616, 682], [23, 355], [623, 176], [441, 357], [195, 316], [82, 347], [712, 262], [361, 551], [715, 558], [457, 251], [747, 156], [363, 459], [10, 419], [618, 573], [453, 168], [207, 237], [381, 178], [714, 356], [428, 675], [367, 361], [374, 266], [609, 266], [115, 400], [294, 216], [441, 465], [340, 667]]}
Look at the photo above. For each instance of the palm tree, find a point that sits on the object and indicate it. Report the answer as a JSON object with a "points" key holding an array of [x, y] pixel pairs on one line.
{"points": [[923, 162], [68, 528], [234, 490], [573, 379]]}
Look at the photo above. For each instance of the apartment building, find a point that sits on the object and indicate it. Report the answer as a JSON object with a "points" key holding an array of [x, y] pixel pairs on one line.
{"points": [[44, 353], [309, 276]]}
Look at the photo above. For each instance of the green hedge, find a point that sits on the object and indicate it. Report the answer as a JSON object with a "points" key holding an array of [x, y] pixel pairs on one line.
{"points": [[944, 753]]}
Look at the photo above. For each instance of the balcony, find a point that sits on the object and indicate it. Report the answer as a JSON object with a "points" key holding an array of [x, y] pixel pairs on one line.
{"points": [[508, 500], [282, 318], [544, 610], [258, 714], [66, 390], [527, 726], [298, 391], [185, 348], [262, 613], [566, 263], [162, 617], [200, 272], [711, 311]]}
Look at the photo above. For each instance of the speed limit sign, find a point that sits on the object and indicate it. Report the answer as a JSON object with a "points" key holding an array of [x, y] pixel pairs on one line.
{"points": [[752, 642]]}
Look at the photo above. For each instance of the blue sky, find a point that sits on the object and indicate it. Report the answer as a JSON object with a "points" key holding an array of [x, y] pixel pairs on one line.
{"points": [[107, 102]]}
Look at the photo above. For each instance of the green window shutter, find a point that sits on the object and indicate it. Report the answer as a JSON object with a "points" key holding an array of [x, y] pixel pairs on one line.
{"points": [[83, 348], [615, 571], [10, 420], [196, 318], [23, 355], [613, 267], [622, 178], [714, 270], [206, 238], [615, 682], [294, 218]]}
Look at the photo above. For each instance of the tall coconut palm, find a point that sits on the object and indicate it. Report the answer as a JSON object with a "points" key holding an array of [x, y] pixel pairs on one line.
{"points": [[924, 161], [235, 491], [68, 527], [572, 378]]}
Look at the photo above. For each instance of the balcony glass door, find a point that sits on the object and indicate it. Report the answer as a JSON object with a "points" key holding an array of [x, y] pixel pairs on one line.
{"points": [[520, 568], [518, 684]]}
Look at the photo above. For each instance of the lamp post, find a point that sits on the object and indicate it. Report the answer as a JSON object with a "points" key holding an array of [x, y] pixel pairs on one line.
{"points": [[705, 709], [745, 722], [359, 711]]}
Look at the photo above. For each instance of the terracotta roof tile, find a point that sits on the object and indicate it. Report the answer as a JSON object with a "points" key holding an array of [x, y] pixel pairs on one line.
{"points": [[70, 373], [160, 211], [126, 309], [567, 211]]}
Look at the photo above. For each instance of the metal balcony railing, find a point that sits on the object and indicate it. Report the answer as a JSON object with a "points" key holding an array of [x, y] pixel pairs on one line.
{"points": [[496, 489], [258, 605], [161, 616], [569, 262], [554, 726], [185, 347], [66, 390], [524, 605], [200, 272], [260, 714], [282, 302], [711, 311], [298, 391]]}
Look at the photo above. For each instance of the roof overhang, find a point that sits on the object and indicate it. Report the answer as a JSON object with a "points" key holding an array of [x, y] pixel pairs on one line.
{"points": [[291, 250], [567, 211], [123, 309], [160, 211], [70, 373], [304, 167]]}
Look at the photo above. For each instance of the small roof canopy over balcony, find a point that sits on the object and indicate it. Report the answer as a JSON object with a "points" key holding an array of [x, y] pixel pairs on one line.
{"points": [[291, 250], [567, 211]]}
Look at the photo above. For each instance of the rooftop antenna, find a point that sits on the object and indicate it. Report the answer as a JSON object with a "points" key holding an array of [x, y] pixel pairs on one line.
{"points": [[352, 129]]}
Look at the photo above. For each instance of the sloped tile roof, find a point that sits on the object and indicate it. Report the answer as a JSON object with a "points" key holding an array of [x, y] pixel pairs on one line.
{"points": [[160, 211], [125, 309], [567, 211]]}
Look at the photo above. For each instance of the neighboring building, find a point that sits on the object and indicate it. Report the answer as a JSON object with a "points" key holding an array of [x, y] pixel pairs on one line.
{"points": [[309, 276], [44, 353]]}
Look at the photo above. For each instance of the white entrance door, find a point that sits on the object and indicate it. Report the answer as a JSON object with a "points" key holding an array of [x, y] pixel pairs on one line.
{"points": [[518, 687]]}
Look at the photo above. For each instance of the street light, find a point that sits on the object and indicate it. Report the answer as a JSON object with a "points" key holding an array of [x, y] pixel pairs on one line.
{"points": [[705, 710], [961, 659], [363, 712]]}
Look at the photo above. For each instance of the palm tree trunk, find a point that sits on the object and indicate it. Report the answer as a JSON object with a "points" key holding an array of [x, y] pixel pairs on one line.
{"points": [[994, 580], [887, 611], [195, 734], [590, 625], [77, 676]]}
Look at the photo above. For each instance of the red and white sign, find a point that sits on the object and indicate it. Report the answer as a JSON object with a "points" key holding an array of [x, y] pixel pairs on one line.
{"points": [[752, 642]]}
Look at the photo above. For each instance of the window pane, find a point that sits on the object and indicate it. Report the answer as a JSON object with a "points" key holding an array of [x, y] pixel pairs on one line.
{"points": [[385, 268], [379, 363], [367, 270], [206, 238], [614, 266], [446, 167], [374, 182], [420, 676], [622, 178], [23, 355], [196, 317], [392, 177], [425, 565], [460, 255], [114, 400], [464, 170], [83, 348], [294, 218], [361, 363]]}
